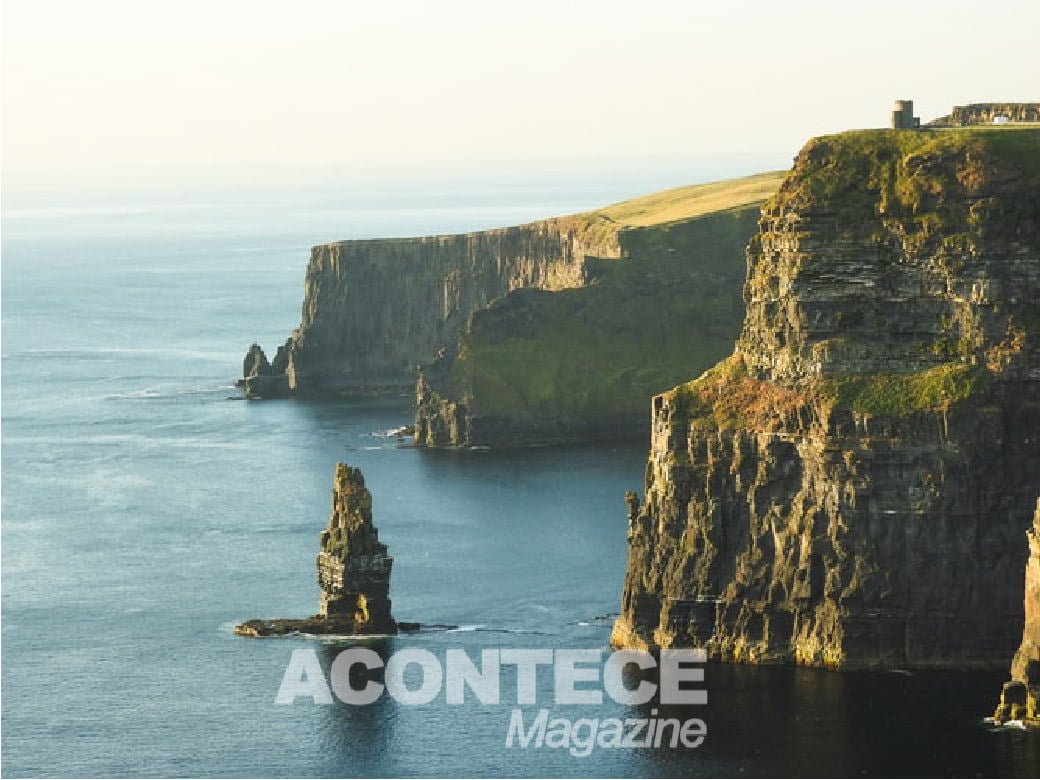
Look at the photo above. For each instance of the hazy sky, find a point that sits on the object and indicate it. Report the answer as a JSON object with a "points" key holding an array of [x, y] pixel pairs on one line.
{"points": [[125, 82]]}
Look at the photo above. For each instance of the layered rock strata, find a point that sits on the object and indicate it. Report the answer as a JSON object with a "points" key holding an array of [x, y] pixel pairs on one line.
{"points": [[850, 488], [1020, 698], [353, 570]]}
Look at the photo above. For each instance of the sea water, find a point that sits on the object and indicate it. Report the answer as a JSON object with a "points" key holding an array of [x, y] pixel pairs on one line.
{"points": [[147, 509]]}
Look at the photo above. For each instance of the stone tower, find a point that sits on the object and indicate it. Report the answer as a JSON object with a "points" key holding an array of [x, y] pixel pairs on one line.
{"points": [[903, 116]]}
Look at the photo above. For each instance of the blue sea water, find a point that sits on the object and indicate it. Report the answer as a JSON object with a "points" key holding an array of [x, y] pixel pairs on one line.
{"points": [[144, 513]]}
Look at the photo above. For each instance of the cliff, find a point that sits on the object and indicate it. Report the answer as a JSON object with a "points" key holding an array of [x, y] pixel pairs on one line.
{"points": [[375, 309], [353, 570], [541, 366], [1020, 698], [851, 486]]}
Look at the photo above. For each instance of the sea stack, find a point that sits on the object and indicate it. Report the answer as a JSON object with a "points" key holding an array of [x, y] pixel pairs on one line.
{"points": [[353, 565], [1020, 698], [353, 570], [261, 379]]}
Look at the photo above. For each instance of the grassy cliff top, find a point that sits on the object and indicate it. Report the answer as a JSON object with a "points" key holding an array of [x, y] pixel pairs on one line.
{"points": [[905, 172], [682, 203], [600, 228], [1018, 145]]}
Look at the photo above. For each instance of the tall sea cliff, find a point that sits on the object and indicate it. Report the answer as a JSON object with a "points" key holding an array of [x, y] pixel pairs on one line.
{"points": [[850, 488], [374, 309]]}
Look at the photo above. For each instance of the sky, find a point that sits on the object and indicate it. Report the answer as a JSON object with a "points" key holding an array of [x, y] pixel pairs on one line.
{"points": [[115, 84]]}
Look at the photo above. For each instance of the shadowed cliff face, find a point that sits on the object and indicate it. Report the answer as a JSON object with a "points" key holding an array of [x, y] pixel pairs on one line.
{"points": [[581, 364], [850, 488]]}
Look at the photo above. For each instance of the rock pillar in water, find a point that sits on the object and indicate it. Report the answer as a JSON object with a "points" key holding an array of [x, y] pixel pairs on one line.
{"points": [[353, 565]]}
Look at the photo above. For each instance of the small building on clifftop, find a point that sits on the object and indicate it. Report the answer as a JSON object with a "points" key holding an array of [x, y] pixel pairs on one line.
{"points": [[903, 116]]}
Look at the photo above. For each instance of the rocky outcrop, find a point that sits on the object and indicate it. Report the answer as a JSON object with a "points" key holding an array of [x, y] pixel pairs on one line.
{"points": [[543, 367], [255, 362], [849, 488], [1020, 698], [985, 113], [261, 379], [375, 309], [353, 570]]}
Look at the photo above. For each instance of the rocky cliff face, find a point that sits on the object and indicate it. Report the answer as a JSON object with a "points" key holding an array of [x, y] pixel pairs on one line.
{"points": [[551, 366], [1020, 698], [850, 487], [985, 113], [373, 310], [353, 570]]}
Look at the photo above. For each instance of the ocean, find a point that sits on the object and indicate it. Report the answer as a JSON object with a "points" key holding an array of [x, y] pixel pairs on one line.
{"points": [[146, 509]]}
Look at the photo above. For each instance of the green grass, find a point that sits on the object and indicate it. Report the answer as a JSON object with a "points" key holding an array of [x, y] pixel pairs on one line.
{"points": [[670, 310], [914, 175], [1019, 146], [601, 228], [902, 394], [580, 379], [725, 397], [683, 203], [594, 351]]}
